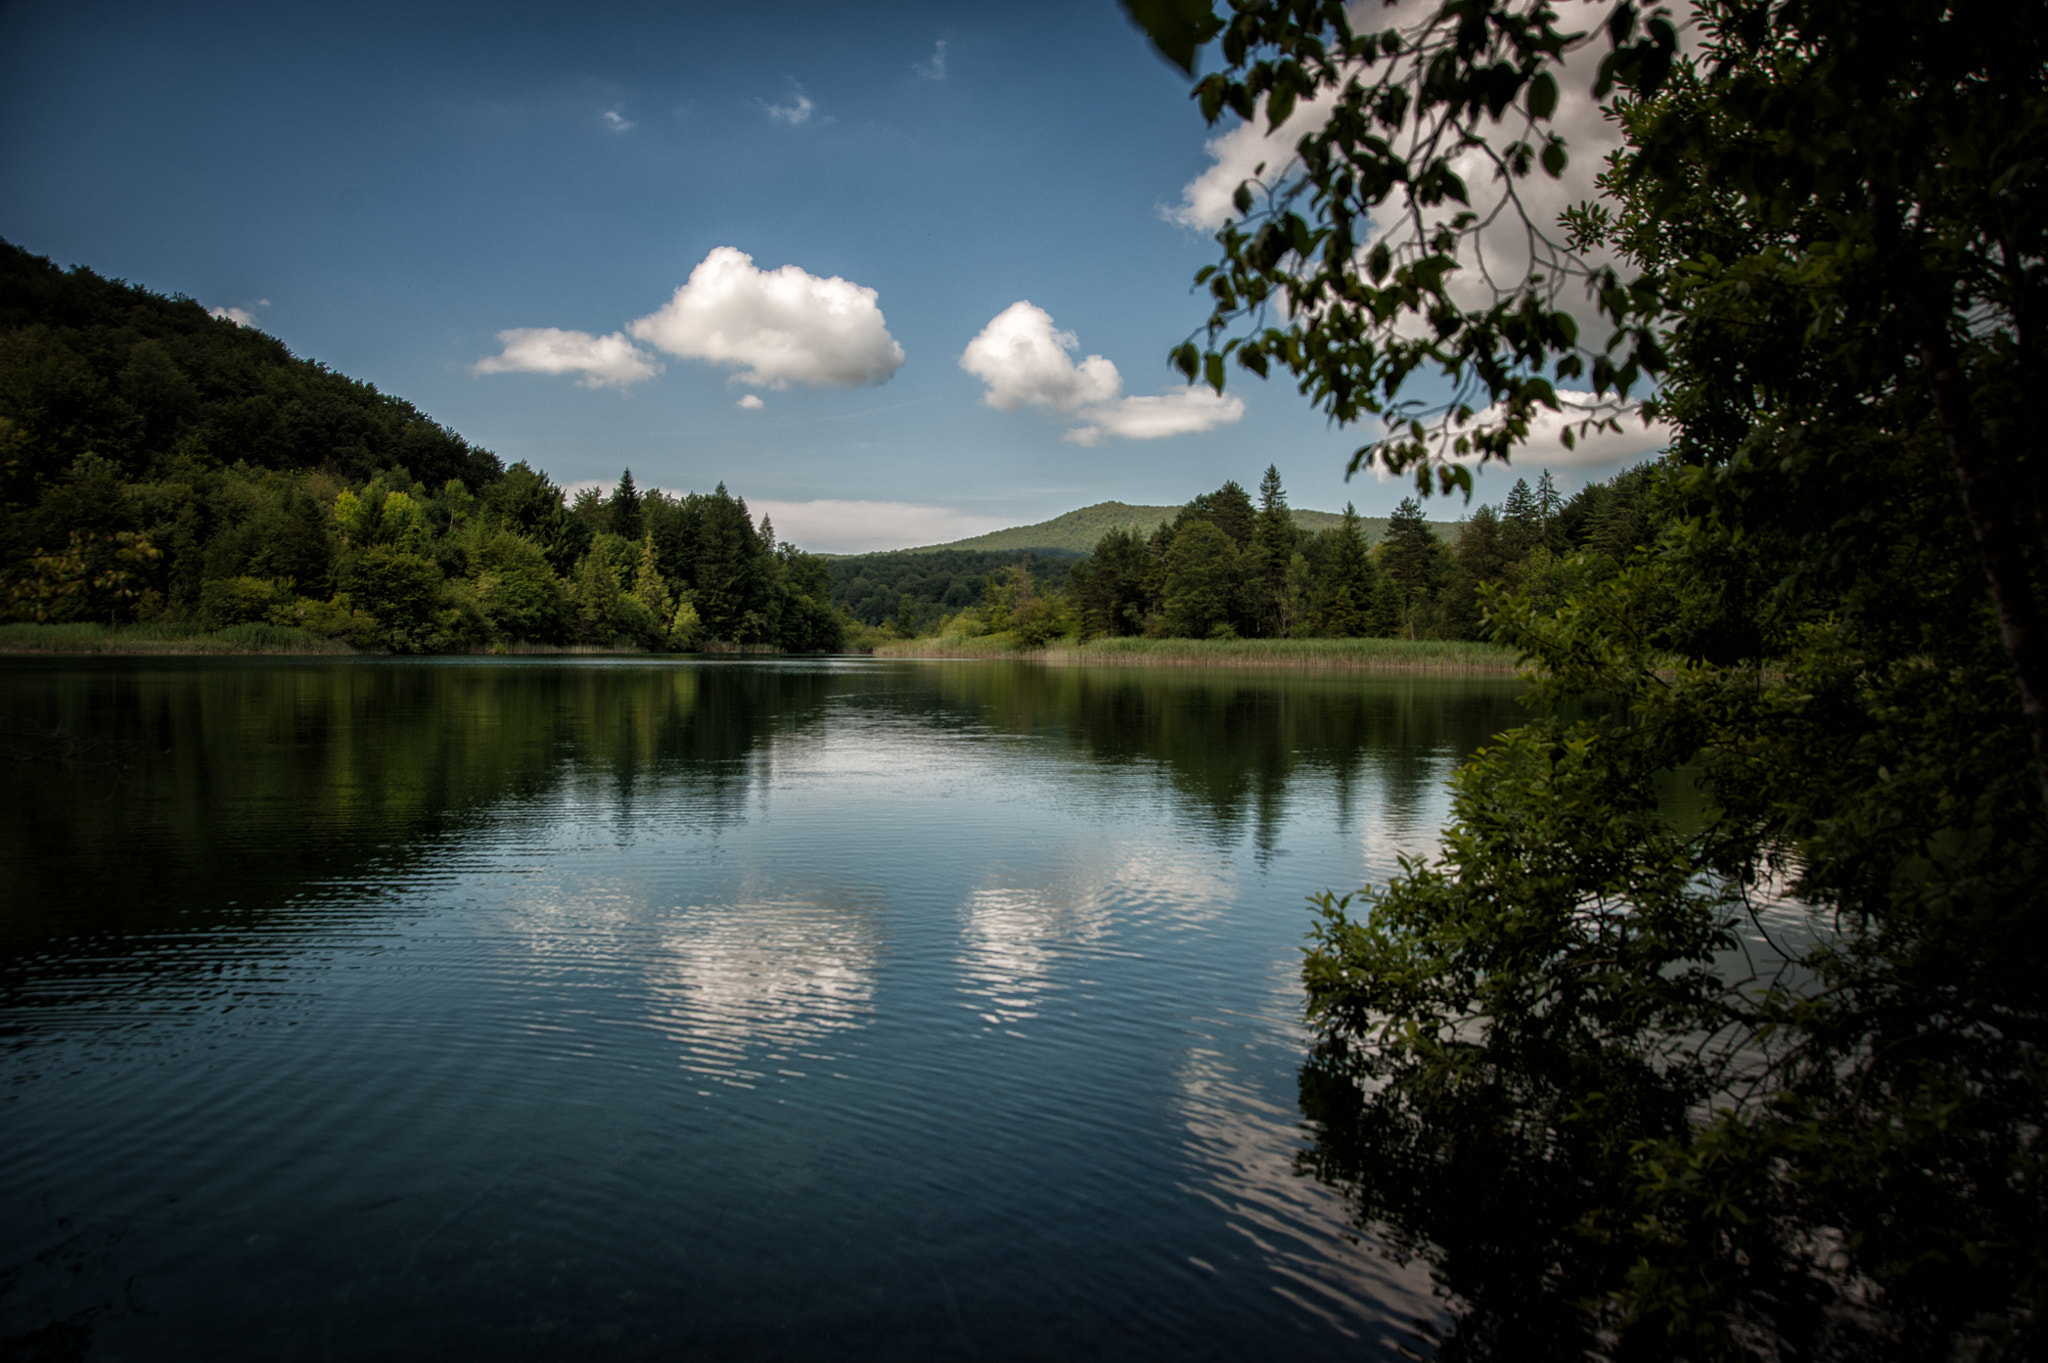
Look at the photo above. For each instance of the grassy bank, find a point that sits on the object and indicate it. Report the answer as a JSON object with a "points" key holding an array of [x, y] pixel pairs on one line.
{"points": [[1307, 655], [164, 639]]}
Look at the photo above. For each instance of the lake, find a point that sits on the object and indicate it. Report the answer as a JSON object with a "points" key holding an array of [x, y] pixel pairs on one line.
{"points": [[643, 1009]]}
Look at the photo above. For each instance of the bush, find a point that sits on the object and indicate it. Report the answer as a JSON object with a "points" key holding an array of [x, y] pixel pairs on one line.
{"points": [[229, 601]]}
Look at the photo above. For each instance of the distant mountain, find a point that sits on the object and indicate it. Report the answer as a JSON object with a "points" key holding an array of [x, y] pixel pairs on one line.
{"points": [[1077, 531]]}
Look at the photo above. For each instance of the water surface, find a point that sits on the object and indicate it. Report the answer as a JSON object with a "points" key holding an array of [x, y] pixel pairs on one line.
{"points": [[629, 1008]]}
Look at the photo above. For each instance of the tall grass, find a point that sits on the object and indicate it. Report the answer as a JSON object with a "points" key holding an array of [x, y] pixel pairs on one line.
{"points": [[164, 639], [1308, 655]]}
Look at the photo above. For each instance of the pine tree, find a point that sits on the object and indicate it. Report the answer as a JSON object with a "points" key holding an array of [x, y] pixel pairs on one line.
{"points": [[1413, 558], [652, 591], [1271, 554], [624, 509], [1521, 518], [1549, 507], [595, 592], [1344, 595]]}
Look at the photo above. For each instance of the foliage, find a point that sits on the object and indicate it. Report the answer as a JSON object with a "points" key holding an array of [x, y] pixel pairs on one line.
{"points": [[1715, 1027]]}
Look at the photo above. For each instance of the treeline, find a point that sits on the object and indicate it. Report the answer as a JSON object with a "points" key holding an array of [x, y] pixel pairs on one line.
{"points": [[913, 590], [1227, 567], [159, 464]]}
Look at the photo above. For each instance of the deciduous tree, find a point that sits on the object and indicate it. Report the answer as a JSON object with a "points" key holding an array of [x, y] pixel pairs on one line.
{"points": [[1714, 1029]]}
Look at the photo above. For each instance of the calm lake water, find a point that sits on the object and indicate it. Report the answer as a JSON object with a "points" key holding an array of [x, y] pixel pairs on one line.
{"points": [[623, 1008]]}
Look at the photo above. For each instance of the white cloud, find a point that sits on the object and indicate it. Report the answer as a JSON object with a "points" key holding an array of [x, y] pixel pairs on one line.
{"points": [[1023, 359], [780, 326], [1500, 254], [935, 69], [1545, 445], [603, 361], [860, 527], [241, 317], [794, 114], [1250, 151], [618, 122], [1186, 411], [750, 403], [1026, 361]]}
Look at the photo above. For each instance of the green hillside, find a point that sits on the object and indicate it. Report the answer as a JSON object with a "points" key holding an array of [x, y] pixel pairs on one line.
{"points": [[165, 469], [1077, 531]]}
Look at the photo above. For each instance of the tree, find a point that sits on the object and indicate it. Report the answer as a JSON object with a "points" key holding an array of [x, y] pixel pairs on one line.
{"points": [[1756, 1071], [1412, 559], [622, 512], [727, 576], [1482, 558], [1203, 580], [1344, 593], [596, 599], [1229, 509], [652, 591], [1270, 558], [1108, 587], [1549, 504], [402, 590], [1521, 520]]}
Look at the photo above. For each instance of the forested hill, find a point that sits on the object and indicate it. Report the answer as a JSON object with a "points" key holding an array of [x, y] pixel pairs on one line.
{"points": [[159, 465], [1078, 532], [95, 366]]}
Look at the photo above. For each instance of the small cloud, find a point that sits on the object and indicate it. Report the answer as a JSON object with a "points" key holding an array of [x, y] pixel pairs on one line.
{"points": [[783, 326], [618, 122], [241, 317], [750, 403], [934, 69], [1027, 362], [1024, 360], [793, 114], [603, 361], [1188, 411]]}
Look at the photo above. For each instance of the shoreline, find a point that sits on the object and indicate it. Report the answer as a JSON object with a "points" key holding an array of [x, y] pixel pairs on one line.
{"points": [[1296, 655], [1411, 656]]}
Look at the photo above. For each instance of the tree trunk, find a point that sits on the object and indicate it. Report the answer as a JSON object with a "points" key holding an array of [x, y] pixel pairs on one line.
{"points": [[1989, 504]]}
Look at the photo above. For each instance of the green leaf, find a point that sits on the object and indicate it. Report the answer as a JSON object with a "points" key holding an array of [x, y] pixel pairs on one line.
{"points": [[1543, 95], [1177, 28], [1279, 105], [1212, 368], [1555, 158]]}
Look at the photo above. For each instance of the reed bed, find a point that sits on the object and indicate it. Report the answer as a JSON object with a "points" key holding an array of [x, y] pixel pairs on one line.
{"points": [[1439, 656], [165, 639]]}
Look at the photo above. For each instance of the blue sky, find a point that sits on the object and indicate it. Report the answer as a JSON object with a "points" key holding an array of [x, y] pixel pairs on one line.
{"points": [[449, 201]]}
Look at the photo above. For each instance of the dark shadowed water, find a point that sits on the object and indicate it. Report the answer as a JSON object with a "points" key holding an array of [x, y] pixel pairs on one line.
{"points": [[619, 1008]]}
